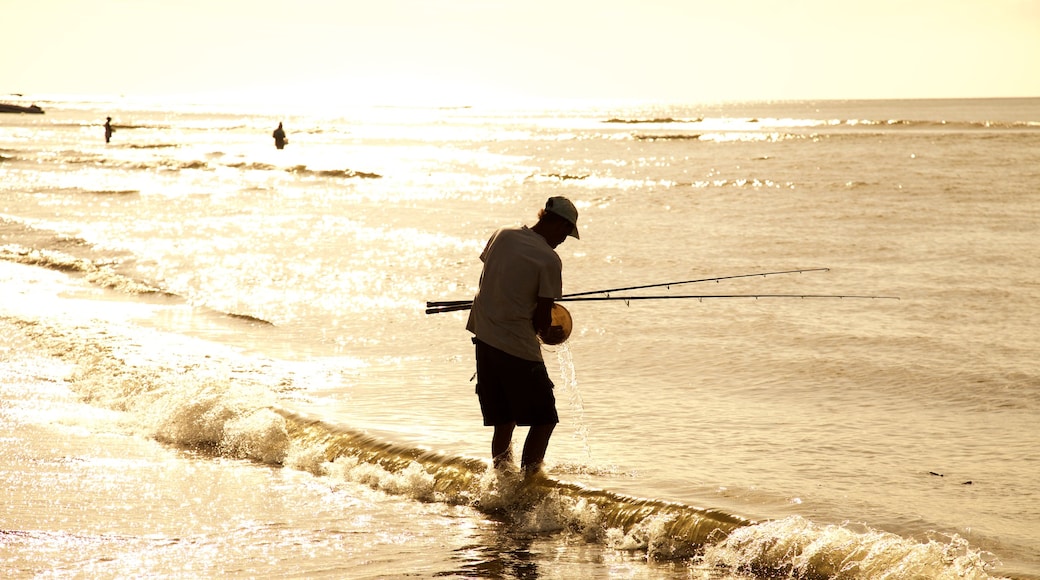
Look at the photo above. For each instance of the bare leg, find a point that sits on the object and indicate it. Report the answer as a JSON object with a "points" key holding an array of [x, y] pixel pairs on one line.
{"points": [[534, 447], [501, 444]]}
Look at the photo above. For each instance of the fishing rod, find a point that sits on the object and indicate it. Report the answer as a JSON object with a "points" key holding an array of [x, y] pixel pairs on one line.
{"points": [[717, 279], [626, 299], [705, 296], [452, 303]]}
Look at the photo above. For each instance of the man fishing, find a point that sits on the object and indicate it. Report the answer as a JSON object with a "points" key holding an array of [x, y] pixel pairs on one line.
{"points": [[280, 140], [521, 279], [108, 129]]}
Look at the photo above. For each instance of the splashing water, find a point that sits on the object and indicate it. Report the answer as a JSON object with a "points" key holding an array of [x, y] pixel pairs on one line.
{"points": [[569, 385]]}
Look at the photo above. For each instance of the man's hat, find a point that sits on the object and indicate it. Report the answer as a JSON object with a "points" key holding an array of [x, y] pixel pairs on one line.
{"points": [[563, 207]]}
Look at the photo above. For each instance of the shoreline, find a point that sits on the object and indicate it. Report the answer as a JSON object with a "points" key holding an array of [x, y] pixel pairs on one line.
{"points": [[89, 495]]}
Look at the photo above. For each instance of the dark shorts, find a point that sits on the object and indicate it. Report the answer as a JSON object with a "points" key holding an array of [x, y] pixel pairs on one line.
{"points": [[513, 390]]}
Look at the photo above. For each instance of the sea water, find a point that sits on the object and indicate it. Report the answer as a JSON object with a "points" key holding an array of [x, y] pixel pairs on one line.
{"points": [[217, 361]]}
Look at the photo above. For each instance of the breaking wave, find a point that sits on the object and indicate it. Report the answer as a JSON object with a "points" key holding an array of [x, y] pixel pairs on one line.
{"points": [[189, 406]]}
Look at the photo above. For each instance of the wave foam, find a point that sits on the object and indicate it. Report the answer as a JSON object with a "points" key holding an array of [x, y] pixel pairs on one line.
{"points": [[184, 404]]}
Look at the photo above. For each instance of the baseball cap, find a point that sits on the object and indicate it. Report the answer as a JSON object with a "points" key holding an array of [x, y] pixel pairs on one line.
{"points": [[563, 207]]}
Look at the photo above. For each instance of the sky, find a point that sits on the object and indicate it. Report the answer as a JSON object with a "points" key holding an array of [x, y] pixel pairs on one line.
{"points": [[471, 51]]}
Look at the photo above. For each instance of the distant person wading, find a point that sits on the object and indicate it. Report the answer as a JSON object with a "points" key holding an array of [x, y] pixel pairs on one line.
{"points": [[280, 140], [108, 129]]}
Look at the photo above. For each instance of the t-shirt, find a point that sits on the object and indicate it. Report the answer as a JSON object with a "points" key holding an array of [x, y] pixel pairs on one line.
{"points": [[519, 267]]}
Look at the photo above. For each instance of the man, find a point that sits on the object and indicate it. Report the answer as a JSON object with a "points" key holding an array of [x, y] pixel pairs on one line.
{"points": [[520, 281], [279, 137], [108, 129]]}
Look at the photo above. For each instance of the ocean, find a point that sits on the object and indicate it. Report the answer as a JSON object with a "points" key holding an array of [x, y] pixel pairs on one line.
{"points": [[217, 360]]}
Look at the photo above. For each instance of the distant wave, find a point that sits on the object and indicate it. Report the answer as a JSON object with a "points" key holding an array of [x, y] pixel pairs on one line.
{"points": [[303, 170], [177, 165], [99, 192], [249, 318], [565, 176], [348, 173], [671, 137], [169, 164], [162, 164], [254, 166], [114, 191], [126, 126], [737, 183], [810, 122], [939, 124], [652, 120], [154, 146]]}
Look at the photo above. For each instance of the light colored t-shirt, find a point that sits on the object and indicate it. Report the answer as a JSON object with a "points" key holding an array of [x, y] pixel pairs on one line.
{"points": [[519, 268]]}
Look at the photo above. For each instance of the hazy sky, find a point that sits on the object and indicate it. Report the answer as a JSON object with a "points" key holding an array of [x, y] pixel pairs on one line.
{"points": [[473, 50]]}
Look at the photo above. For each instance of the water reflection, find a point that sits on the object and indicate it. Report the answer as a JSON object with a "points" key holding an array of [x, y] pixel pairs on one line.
{"points": [[504, 554]]}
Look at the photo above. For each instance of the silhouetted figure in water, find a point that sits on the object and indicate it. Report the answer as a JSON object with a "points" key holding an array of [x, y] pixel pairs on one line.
{"points": [[279, 137], [108, 129]]}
